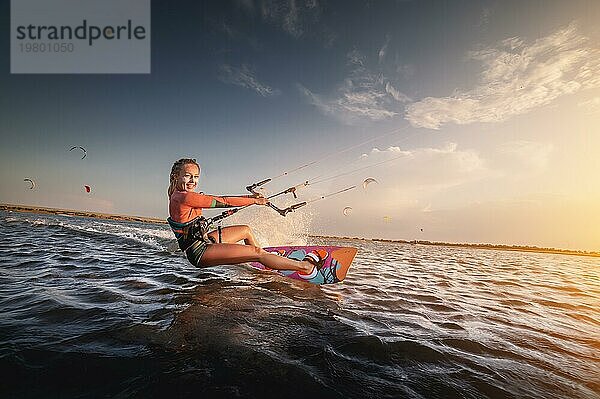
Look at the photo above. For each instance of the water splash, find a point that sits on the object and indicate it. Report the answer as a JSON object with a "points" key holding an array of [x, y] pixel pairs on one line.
{"points": [[271, 229]]}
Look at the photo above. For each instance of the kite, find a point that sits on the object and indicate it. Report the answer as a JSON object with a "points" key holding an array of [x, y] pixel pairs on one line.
{"points": [[82, 149], [347, 211], [87, 188], [368, 181], [30, 182]]}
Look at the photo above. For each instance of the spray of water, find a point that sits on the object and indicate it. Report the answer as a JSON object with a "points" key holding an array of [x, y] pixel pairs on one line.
{"points": [[271, 229]]}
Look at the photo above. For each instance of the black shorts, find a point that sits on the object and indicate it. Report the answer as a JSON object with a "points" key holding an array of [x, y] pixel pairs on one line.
{"points": [[195, 251]]}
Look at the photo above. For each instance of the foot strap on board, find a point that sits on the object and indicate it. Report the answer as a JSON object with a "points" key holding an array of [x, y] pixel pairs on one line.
{"points": [[317, 259]]}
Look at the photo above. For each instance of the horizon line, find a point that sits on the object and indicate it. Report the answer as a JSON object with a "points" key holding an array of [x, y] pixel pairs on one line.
{"points": [[143, 219]]}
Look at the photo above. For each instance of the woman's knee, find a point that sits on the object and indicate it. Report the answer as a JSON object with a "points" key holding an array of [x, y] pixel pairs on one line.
{"points": [[248, 235], [260, 253]]}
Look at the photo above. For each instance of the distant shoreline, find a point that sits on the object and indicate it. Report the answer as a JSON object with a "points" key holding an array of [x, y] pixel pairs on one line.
{"points": [[127, 218], [70, 212], [499, 247]]}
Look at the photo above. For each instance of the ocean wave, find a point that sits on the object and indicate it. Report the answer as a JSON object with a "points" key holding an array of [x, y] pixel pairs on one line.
{"points": [[156, 238], [89, 298]]}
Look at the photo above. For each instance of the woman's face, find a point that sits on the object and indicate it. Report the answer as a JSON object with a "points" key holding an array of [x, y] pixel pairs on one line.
{"points": [[188, 177]]}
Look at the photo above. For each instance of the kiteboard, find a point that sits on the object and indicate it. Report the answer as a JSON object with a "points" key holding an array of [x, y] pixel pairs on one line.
{"points": [[333, 270]]}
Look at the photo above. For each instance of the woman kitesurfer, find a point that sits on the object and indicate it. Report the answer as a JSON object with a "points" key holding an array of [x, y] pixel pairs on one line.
{"points": [[218, 247]]}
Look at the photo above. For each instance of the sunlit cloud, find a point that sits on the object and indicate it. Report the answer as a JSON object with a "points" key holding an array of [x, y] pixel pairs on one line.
{"points": [[409, 180], [526, 157], [398, 96], [516, 79], [244, 77], [591, 106], [426, 168], [363, 95]]}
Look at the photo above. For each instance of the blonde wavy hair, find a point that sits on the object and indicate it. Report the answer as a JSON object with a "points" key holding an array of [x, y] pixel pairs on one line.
{"points": [[177, 166]]}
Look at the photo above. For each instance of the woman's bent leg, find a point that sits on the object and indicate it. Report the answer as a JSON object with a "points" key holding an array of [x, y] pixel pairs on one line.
{"points": [[222, 254], [233, 234]]}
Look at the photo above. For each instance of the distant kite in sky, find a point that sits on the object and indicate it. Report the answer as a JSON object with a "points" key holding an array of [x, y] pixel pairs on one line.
{"points": [[30, 182], [368, 181], [87, 188], [387, 219], [82, 149], [347, 211]]}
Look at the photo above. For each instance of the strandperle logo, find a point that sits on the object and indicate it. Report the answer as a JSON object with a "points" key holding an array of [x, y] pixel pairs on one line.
{"points": [[87, 32], [80, 36]]}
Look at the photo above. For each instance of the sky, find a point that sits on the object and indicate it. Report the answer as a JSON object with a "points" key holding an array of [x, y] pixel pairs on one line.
{"points": [[480, 120]]}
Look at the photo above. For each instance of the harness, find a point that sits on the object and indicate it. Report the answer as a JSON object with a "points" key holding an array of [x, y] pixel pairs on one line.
{"points": [[195, 230]]}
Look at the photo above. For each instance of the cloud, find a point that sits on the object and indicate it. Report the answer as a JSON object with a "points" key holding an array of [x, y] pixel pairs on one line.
{"points": [[426, 169], [484, 18], [315, 100], [405, 71], [362, 95], [295, 17], [590, 107], [228, 29], [299, 19], [516, 79], [409, 181], [526, 157], [244, 77], [423, 173], [383, 50], [398, 96], [247, 4]]}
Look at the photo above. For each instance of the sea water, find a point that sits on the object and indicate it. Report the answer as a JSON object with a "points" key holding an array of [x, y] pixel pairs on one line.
{"points": [[96, 308]]}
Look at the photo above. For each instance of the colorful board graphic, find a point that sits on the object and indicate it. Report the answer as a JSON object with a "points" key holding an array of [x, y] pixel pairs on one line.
{"points": [[334, 267]]}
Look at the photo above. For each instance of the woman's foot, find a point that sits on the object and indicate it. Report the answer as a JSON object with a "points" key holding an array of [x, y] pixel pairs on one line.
{"points": [[315, 259]]}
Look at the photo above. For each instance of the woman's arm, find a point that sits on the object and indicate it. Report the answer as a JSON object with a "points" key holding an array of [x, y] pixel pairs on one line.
{"points": [[196, 200]]}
